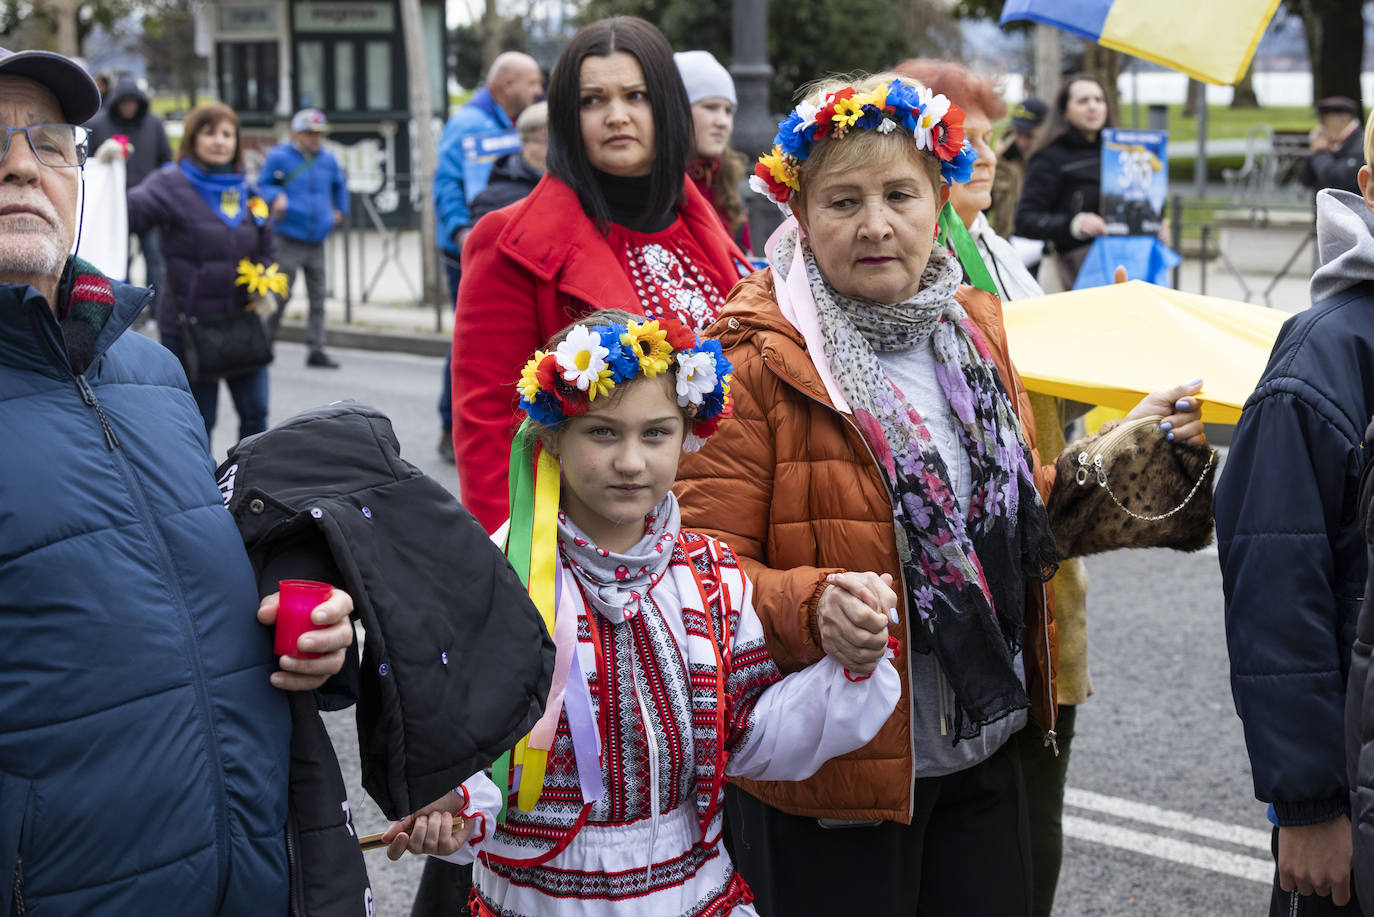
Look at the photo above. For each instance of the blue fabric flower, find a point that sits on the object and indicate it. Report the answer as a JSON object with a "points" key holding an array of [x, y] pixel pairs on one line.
{"points": [[959, 169], [544, 409], [788, 138], [623, 362]]}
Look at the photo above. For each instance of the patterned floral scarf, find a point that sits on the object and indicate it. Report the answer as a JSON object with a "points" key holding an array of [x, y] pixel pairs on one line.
{"points": [[966, 567], [617, 584]]}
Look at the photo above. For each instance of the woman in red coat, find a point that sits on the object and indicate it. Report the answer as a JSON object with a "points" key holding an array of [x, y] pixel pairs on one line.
{"points": [[615, 224]]}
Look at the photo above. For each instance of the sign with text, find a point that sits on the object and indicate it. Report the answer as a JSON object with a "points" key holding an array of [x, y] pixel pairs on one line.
{"points": [[247, 18], [1135, 181], [345, 17], [480, 152]]}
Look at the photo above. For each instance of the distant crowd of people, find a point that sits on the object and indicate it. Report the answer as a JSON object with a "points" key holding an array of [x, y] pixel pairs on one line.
{"points": [[757, 581]]}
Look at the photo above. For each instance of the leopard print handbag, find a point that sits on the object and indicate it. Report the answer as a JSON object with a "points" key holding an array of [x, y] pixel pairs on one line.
{"points": [[1131, 488]]}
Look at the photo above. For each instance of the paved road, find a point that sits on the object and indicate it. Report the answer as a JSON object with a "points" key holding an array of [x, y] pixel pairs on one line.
{"points": [[1161, 817]]}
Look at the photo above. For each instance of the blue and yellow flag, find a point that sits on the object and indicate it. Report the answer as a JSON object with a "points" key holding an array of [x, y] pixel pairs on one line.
{"points": [[1212, 41]]}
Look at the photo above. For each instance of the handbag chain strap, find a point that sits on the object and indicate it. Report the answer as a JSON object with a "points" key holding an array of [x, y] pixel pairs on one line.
{"points": [[1082, 478]]}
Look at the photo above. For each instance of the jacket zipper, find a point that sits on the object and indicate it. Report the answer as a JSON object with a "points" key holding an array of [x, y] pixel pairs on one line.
{"points": [[88, 396], [294, 907], [906, 657]]}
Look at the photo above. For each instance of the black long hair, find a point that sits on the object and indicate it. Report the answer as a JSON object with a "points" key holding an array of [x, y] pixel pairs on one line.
{"points": [[1058, 125], [673, 142]]}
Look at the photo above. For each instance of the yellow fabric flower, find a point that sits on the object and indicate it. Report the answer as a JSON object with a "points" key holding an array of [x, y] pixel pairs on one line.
{"points": [[529, 376], [262, 280], [257, 207], [877, 98], [847, 111], [781, 167], [602, 384], [650, 345]]}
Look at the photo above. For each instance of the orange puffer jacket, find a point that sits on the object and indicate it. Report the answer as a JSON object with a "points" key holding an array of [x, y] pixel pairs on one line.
{"points": [[789, 482]]}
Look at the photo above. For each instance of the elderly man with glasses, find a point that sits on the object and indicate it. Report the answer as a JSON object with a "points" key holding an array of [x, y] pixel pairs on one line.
{"points": [[144, 728]]}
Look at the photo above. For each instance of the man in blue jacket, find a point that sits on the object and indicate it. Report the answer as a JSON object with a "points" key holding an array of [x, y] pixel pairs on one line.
{"points": [[308, 192], [1293, 560], [513, 81], [143, 736]]}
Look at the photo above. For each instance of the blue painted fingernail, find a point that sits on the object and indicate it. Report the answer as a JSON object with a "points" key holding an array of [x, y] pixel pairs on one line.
{"points": [[1169, 437], [1182, 404], [1197, 381], [1166, 426]]}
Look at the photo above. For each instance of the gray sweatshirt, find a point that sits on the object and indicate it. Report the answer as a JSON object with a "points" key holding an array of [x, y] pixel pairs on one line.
{"points": [[1345, 242]]}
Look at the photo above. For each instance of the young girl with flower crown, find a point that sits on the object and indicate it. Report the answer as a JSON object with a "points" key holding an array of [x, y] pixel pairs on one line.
{"points": [[663, 686]]}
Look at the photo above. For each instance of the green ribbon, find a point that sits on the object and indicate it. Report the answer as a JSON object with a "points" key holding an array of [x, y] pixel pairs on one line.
{"points": [[953, 231], [519, 537]]}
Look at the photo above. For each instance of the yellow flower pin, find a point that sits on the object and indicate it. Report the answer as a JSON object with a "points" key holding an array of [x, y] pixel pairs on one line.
{"points": [[258, 208], [262, 280]]}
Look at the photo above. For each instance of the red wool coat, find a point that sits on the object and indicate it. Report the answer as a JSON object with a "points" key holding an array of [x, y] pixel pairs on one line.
{"points": [[529, 270]]}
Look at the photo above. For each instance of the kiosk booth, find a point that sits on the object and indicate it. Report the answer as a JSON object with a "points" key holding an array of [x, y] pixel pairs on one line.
{"points": [[271, 58]]}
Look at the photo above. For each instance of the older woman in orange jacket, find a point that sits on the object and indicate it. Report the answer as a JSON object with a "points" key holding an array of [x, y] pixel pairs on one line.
{"points": [[874, 444]]}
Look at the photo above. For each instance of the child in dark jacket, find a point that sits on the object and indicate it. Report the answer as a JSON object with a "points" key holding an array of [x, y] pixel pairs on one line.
{"points": [[1293, 560]]}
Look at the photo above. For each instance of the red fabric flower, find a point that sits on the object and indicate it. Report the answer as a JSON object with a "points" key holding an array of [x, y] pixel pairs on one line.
{"points": [[680, 337], [704, 428], [547, 373], [949, 133]]}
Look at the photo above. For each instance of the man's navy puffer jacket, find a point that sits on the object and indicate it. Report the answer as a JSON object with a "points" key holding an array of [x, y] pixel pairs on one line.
{"points": [[143, 753]]}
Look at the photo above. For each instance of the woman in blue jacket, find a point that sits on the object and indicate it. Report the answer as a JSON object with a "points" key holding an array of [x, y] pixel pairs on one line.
{"points": [[210, 221]]}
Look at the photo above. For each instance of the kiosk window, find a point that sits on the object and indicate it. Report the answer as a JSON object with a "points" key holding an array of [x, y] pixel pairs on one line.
{"points": [[345, 99], [379, 76], [310, 74], [248, 75]]}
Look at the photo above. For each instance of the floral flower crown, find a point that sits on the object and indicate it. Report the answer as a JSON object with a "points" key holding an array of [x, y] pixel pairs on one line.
{"points": [[593, 359], [935, 122]]}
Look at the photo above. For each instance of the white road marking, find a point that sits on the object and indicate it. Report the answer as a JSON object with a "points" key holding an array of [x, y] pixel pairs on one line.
{"points": [[1165, 848], [1166, 818]]}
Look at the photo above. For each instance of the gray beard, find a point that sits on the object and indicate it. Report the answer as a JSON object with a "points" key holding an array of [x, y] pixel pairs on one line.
{"points": [[39, 256]]}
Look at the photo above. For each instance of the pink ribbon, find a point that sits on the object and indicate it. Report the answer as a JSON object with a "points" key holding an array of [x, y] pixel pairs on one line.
{"points": [[577, 703]]}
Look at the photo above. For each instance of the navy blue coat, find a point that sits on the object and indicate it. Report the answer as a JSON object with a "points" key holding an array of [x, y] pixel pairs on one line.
{"points": [[1292, 552], [143, 753]]}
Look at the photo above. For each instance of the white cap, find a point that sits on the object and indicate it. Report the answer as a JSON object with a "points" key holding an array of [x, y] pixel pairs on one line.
{"points": [[704, 77]]}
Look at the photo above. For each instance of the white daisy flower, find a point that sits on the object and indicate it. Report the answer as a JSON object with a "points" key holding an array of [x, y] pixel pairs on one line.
{"points": [[935, 107], [759, 186], [807, 111], [696, 377], [582, 357]]}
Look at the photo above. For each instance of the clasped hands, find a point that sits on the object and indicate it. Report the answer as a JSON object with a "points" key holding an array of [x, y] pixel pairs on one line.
{"points": [[852, 618]]}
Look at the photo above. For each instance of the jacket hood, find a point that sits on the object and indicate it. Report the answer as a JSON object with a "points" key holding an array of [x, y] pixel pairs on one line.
{"points": [[512, 166], [1345, 241], [126, 88]]}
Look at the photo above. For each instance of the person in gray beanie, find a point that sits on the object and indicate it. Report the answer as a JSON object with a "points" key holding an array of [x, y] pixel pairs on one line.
{"points": [[714, 168]]}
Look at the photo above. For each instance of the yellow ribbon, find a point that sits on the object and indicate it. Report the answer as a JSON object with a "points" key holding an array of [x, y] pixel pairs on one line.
{"points": [[543, 570], [262, 280]]}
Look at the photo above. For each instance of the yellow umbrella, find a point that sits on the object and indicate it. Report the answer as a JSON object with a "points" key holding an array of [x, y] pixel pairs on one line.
{"points": [[1113, 345]]}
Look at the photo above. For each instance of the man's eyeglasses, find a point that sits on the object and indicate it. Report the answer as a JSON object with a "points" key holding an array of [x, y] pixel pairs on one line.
{"points": [[61, 146]]}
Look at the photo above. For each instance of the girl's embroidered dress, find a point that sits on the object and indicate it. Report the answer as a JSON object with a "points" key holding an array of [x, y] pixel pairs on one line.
{"points": [[655, 629]]}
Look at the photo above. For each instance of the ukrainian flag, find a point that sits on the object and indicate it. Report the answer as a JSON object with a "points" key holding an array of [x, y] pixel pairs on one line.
{"points": [[1210, 40]]}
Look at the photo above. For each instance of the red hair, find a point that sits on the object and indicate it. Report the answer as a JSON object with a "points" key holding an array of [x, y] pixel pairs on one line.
{"points": [[970, 91]]}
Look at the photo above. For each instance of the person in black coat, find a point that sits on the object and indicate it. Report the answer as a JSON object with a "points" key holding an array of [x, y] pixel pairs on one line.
{"points": [[514, 175], [1336, 145], [1293, 562], [1060, 199]]}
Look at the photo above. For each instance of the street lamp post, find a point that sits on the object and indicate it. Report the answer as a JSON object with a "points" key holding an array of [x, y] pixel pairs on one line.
{"points": [[754, 126]]}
